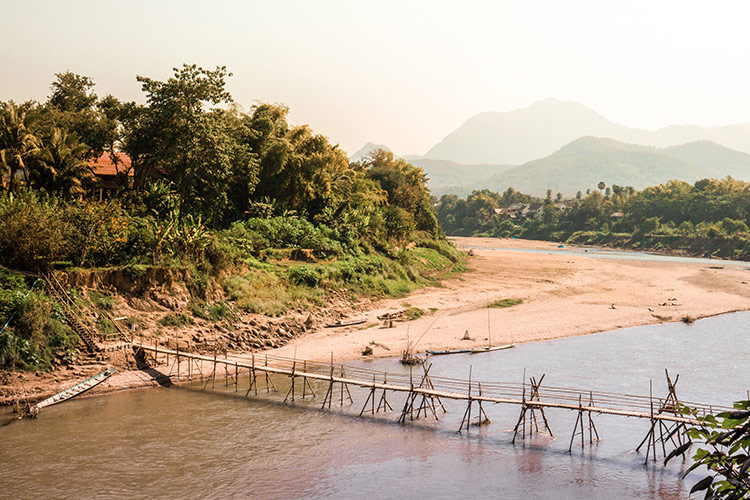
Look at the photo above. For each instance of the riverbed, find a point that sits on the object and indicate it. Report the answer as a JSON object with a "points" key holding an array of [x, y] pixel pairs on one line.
{"points": [[184, 442]]}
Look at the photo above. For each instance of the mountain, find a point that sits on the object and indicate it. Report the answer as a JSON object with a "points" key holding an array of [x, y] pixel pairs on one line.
{"points": [[522, 135], [365, 150], [518, 136], [450, 177], [583, 163], [714, 158], [443, 176]]}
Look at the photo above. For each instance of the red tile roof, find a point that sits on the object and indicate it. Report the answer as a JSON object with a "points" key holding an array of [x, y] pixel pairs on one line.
{"points": [[105, 166]]}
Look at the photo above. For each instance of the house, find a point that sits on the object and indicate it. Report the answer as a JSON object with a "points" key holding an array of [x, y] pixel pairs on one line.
{"points": [[112, 173]]}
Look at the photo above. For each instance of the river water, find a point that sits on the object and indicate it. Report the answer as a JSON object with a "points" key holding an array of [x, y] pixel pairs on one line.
{"points": [[186, 443]]}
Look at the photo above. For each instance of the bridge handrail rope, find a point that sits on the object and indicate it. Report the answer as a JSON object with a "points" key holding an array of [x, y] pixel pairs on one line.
{"points": [[554, 397], [66, 300], [500, 389]]}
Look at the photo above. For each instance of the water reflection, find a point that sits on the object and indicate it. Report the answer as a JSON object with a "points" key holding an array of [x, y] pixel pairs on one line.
{"points": [[185, 443]]}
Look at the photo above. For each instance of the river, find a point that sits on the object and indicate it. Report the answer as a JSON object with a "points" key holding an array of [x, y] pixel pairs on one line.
{"points": [[185, 443]]}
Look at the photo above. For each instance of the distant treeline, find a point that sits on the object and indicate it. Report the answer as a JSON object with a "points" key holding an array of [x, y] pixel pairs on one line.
{"points": [[709, 217]]}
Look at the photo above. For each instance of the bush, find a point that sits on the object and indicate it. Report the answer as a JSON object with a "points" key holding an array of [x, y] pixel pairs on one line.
{"points": [[37, 335], [506, 303], [176, 320], [304, 275]]}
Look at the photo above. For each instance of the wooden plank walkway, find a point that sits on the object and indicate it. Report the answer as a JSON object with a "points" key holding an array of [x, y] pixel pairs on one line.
{"points": [[424, 393]]}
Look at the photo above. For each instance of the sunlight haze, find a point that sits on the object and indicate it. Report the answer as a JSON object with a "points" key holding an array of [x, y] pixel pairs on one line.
{"points": [[403, 74]]}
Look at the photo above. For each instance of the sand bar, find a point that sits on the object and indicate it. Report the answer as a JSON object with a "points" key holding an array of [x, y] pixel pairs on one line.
{"points": [[563, 295]]}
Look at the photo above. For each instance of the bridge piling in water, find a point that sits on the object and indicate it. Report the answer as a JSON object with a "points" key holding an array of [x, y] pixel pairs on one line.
{"points": [[424, 399]]}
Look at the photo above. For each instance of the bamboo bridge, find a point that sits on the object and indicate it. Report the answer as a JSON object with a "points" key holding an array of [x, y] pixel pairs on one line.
{"points": [[424, 393]]}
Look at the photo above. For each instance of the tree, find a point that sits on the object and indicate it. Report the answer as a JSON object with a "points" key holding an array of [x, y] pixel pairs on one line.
{"points": [[405, 185], [61, 166], [17, 142], [74, 107], [179, 133], [727, 456], [72, 92]]}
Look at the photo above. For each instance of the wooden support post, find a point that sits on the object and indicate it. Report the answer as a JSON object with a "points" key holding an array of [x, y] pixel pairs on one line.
{"points": [[178, 360], [483, 419], [370, 396], [226, 370], [269, 380], [252, 380], [236, 376], [213, 373], [304, 379], [592, 425], [329, 392], [409, 403], [466, 420], [522, 415], [383, 403], [291, 389]]}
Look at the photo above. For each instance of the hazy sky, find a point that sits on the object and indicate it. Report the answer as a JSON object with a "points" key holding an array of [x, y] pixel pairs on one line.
{"points": [[400, 73]]}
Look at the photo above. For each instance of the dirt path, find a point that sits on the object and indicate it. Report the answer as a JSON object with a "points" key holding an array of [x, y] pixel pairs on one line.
{"points": [[563, 295]]}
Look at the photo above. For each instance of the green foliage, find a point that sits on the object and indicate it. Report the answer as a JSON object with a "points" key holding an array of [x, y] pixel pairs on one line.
{"points": [[37, 335], [217, 311], [176, 320], [60, 166], [726, 437], [17, 141], [506, 303], [304, 275], [411, 313], [410, 204], [284, 232], [102, 300], [268, 293], [710, 217]]}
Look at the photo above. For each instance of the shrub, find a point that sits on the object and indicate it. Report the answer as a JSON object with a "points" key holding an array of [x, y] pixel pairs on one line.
{"points": [[175, 320], [506, 303], [37, 335], [304, 275]]}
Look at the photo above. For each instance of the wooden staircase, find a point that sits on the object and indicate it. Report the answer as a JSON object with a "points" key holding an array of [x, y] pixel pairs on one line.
{"points": [[73, 313]]}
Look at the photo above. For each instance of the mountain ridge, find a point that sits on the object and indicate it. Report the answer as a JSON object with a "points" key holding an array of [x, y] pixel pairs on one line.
{"points": [[522, 135], [584, 162]]}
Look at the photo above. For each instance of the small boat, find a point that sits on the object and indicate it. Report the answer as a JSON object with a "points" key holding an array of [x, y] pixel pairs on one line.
{"points": [[75, 390], [340, 323], [477, 350], [450, 351]]}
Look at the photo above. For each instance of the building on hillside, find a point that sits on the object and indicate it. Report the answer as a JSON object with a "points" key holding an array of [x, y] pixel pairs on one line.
{"points": [[112, 173], [563, 205]]}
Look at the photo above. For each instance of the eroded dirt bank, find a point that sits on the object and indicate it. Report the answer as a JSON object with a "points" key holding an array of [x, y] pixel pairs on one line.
{"points": [[562, 295]]}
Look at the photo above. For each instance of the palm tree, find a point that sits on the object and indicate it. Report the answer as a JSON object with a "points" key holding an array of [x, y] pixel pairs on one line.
{"points": [[61, 166], [17, 142]]}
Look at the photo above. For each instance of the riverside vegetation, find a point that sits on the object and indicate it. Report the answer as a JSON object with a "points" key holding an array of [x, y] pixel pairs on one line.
{"points": [[707, 218], [258, 215]]}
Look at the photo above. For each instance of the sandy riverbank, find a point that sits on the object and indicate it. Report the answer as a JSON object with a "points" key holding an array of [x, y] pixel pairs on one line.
{"points": [[563, 295]]}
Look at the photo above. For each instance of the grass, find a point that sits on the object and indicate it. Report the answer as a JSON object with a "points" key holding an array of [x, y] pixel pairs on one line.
{"points": [[267, 293], [175, 320], [101, 300], [506, 303], [411, 313], [217, 311]]}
